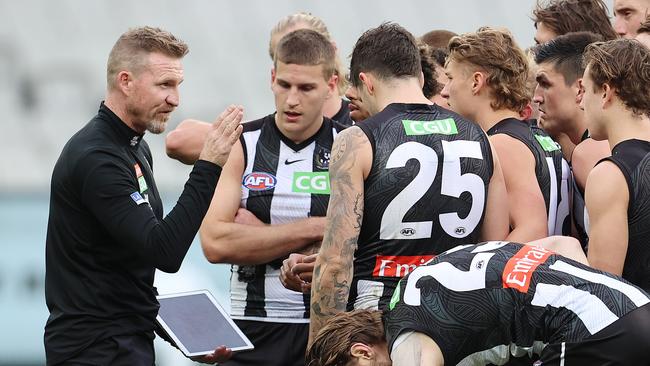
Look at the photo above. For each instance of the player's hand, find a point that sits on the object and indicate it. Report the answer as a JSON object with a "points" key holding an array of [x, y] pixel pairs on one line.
{"points": [[296, 272], [287, 278], [305, 269], [221, 354], [223, 135], [245, 217]]}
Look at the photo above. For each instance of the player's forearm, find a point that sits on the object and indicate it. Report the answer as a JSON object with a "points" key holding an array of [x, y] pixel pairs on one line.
{"points": [[330, 289], [228, 242], [606, 254]]}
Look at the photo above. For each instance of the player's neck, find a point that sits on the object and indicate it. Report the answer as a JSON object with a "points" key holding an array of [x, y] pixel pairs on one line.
{"points": [[579, 128], [566, 145], [118, 106], [407, 91], [490, 117], [300, 135], [332, 106], [627, 126]]}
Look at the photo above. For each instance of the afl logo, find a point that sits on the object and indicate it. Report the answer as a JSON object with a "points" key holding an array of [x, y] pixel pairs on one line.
{"points": [[258, 181], [460, 230], [407, 231]]}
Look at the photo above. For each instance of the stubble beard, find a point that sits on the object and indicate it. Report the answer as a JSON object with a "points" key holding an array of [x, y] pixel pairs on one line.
{"points": [[157, 126]]}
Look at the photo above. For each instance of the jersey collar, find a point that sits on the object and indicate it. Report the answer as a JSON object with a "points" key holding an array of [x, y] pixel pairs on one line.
{"points": [[124, 133]]}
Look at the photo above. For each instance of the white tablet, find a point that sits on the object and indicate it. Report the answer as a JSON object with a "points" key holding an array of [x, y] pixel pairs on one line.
{"points": [[198, 324]]}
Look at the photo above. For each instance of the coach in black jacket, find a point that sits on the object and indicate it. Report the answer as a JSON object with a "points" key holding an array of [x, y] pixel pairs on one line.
{"points": [[106, 233]]}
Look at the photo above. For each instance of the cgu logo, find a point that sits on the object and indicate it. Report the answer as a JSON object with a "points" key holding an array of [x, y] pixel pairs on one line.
{"points": [[258, 181], [398, 265], [316, 182]]}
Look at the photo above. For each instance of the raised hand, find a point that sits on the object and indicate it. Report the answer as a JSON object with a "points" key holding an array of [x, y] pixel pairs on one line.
{"points": [[225, 131]]}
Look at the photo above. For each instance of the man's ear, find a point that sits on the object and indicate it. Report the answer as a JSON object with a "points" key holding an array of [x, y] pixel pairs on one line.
{"points": [[124, 82], [368, 82], [478, 82], [607, 93], [580, 93], [272, 75], [332, 86], [362, 351], [421, 79]]}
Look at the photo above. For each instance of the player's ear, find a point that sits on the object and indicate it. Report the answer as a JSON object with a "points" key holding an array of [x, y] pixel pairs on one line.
{"points": [[607, 95], [580, 92], [478, 80], [331, 85], [367, 81], [361, 351], [272, 75]]}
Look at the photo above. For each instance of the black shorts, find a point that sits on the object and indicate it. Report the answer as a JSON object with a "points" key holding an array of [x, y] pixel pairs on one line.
{"points": [[276, 344], [624, 342], [120, 350]]}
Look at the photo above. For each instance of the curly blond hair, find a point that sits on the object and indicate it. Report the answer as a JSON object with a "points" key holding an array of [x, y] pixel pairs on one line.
{"points": [[495, 52]]}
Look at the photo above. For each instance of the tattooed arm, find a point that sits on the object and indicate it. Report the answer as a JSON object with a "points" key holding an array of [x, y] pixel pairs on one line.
{"points": [[415, 348], [350, 163]]}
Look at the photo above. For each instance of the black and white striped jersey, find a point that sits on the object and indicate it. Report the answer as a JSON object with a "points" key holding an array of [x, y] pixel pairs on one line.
{"points": [[282, 182], [551, 170], [425, 193], [632, 157], [480, 303]]}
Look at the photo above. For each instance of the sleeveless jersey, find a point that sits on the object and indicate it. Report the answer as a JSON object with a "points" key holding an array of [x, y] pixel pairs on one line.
{"points": [[551, 170], [631, 156], [425, 193], [282, 182], [482, 303]]}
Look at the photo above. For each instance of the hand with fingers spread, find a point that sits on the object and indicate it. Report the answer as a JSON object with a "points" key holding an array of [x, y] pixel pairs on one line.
{"points": [[225, 131]]}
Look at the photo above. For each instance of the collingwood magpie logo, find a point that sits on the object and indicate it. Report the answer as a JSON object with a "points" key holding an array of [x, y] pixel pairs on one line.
{"points": [[323, 158]]}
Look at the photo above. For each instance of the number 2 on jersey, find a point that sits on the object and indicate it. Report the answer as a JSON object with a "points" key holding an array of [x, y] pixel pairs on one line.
{"points": [[453, 184]]}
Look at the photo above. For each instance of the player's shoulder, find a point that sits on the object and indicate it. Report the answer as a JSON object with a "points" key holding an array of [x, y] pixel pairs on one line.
{"points": [[605, 182], [258, 124]]}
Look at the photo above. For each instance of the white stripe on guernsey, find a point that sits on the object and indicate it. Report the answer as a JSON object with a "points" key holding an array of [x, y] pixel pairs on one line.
{"points": [[271, 320], [368, 294], [281, 305], [593, 313], [288, 206], [334, 133], [499, 355], [490, 245], [552, 205], [634, 294], [562, 211], [562, 354], [250, 138]]}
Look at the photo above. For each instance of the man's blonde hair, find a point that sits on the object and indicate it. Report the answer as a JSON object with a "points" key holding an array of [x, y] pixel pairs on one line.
{"points": [[495, 52], [132, 48], [316, 24]]}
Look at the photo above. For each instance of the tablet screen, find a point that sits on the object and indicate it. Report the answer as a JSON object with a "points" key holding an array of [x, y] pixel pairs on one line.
{"points": [[198, 324]]}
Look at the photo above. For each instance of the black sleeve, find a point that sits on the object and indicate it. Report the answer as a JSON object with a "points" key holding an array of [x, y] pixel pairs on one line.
{"points": [[106, 186]]}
